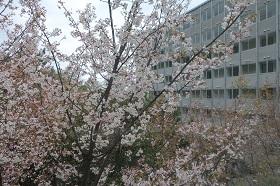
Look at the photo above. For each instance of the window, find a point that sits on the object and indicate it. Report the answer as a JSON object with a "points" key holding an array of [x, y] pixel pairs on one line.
{"points": [[267, 66], [208, 74], [229, 71], [268, 39], [168, 79], [263, 40], [271, 38], [248, 15], [263, 67], [154, 67], [233, 71], [217, 30], [221, 93], [233, 93], [235, 48], [218, 8], [271, 66], [221, 7], [219, 73], [209, 94], [206, 14], [216, 73], [196, 18], [168, 64], [204, 94], [249, 93], [245, 45], [248, 44], [262, 13], [267, 10], [215, 93], [196, 94], [196, 38], [249, 68], [161, 65], [206, 34], [252, 43], [271, 8], [186, 25], [268, 93], [218, 93], [193, 94]]}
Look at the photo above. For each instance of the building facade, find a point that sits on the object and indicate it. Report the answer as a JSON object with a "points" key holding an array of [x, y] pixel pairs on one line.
{"points": [[254, 67]]}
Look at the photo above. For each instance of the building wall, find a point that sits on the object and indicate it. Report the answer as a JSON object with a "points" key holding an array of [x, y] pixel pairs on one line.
{"points": [[255, 63]]}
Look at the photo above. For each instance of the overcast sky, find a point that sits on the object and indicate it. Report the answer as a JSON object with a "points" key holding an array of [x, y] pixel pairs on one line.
{"points": [[55, 16]]}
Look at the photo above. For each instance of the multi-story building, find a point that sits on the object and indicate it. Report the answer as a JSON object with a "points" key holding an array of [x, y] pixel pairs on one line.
{"points": [[254, 68]]}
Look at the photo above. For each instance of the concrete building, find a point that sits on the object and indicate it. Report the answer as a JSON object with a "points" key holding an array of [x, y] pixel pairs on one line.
{"points": [[254, 63]]}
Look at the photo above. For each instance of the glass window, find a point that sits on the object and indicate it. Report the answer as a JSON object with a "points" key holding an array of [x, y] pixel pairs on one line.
{"points": [[249, 93], [221, 72], [206, 14], [252, 68], [209, 74], [193, 94], [268, 10], [263, 67], [249, 69], [262, 13], [271, 9], [248, 44], [209, 94], [271, 66], [252, 43], [229, 71], [230, 93], [215, 93], [168, 79], [235, 71], [216, 30], [216, 9], [196, 18], [236, 48], [221, 7], [245, 69], [186, 25], [204, 94], [268, 93], [263, 40], [197, 93], [204, 75], [271, 38], [235, 93], [170, 64], [216, 73], [245, 45], [208, 34], [221, 93]]}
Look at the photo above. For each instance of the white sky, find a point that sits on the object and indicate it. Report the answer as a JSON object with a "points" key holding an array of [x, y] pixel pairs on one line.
{"points": [[56, 19]]}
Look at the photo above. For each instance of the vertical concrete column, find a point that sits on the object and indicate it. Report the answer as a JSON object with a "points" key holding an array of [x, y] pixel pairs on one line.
{"points": [[258, 51], [278, 62]]}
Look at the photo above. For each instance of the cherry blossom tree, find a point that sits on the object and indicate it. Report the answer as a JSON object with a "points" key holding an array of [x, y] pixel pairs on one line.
{"points": [[69, 124]]}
